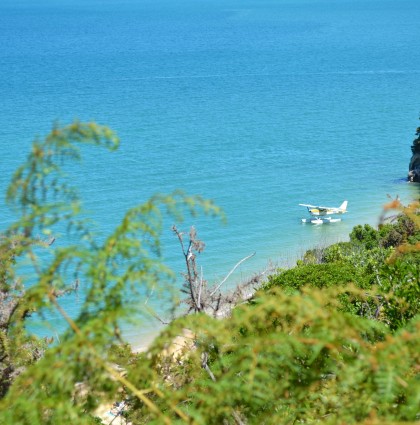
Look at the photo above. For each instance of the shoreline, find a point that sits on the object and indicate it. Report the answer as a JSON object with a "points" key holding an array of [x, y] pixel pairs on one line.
{"points": [[143, 345], [141, 340]]}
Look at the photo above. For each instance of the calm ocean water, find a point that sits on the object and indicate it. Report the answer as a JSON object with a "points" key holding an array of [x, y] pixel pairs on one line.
{"points": [[258, 105]]}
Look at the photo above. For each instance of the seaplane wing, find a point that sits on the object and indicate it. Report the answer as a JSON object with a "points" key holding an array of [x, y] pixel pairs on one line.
{"points": [[320, 210]]}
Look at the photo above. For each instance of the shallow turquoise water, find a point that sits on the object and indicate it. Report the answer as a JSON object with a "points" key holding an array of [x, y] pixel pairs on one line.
{"points": [[259, 105]]}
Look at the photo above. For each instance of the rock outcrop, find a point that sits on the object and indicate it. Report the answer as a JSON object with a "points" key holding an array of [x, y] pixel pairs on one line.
{"points": [[414, 167]]}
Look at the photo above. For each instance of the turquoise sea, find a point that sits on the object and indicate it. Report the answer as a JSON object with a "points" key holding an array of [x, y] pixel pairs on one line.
{"points": [[257, 104]]}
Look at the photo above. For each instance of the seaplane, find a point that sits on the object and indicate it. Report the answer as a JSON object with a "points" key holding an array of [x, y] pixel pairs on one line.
{"points": [[321, 215]]}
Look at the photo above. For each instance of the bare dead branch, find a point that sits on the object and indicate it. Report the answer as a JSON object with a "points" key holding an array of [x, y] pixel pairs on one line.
{"points": [[211, 300], [153, 314], [205, 365], [234, 268], [237, 418]]}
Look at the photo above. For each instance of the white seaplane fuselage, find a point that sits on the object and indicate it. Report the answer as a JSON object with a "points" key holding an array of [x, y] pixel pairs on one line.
{"points": [[323, 215]]}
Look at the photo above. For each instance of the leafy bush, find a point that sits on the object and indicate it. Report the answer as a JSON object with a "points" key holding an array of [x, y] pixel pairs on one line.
{"points": [[365, 235], [328, 343], [319, 276], [114, 272], [288, 358], [400, 286]]}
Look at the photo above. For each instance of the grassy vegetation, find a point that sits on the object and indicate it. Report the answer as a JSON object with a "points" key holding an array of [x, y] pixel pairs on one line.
{"points": [[333, 340]]}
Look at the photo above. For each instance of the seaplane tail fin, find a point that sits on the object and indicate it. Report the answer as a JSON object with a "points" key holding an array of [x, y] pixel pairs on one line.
{"points": [[343, 206]]}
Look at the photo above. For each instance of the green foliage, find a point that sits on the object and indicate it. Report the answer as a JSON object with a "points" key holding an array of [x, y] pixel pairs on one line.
{"points": [[319, 276], [40, 192], [365, 262], [113, 274], [388, 235], [400, 284], [365, 235], [121, 354], [338, 252], [296, 359], [334, 340]]}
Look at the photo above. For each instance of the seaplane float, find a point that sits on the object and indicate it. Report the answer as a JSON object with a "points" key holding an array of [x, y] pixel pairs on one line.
{"points": [[323, 215]]}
